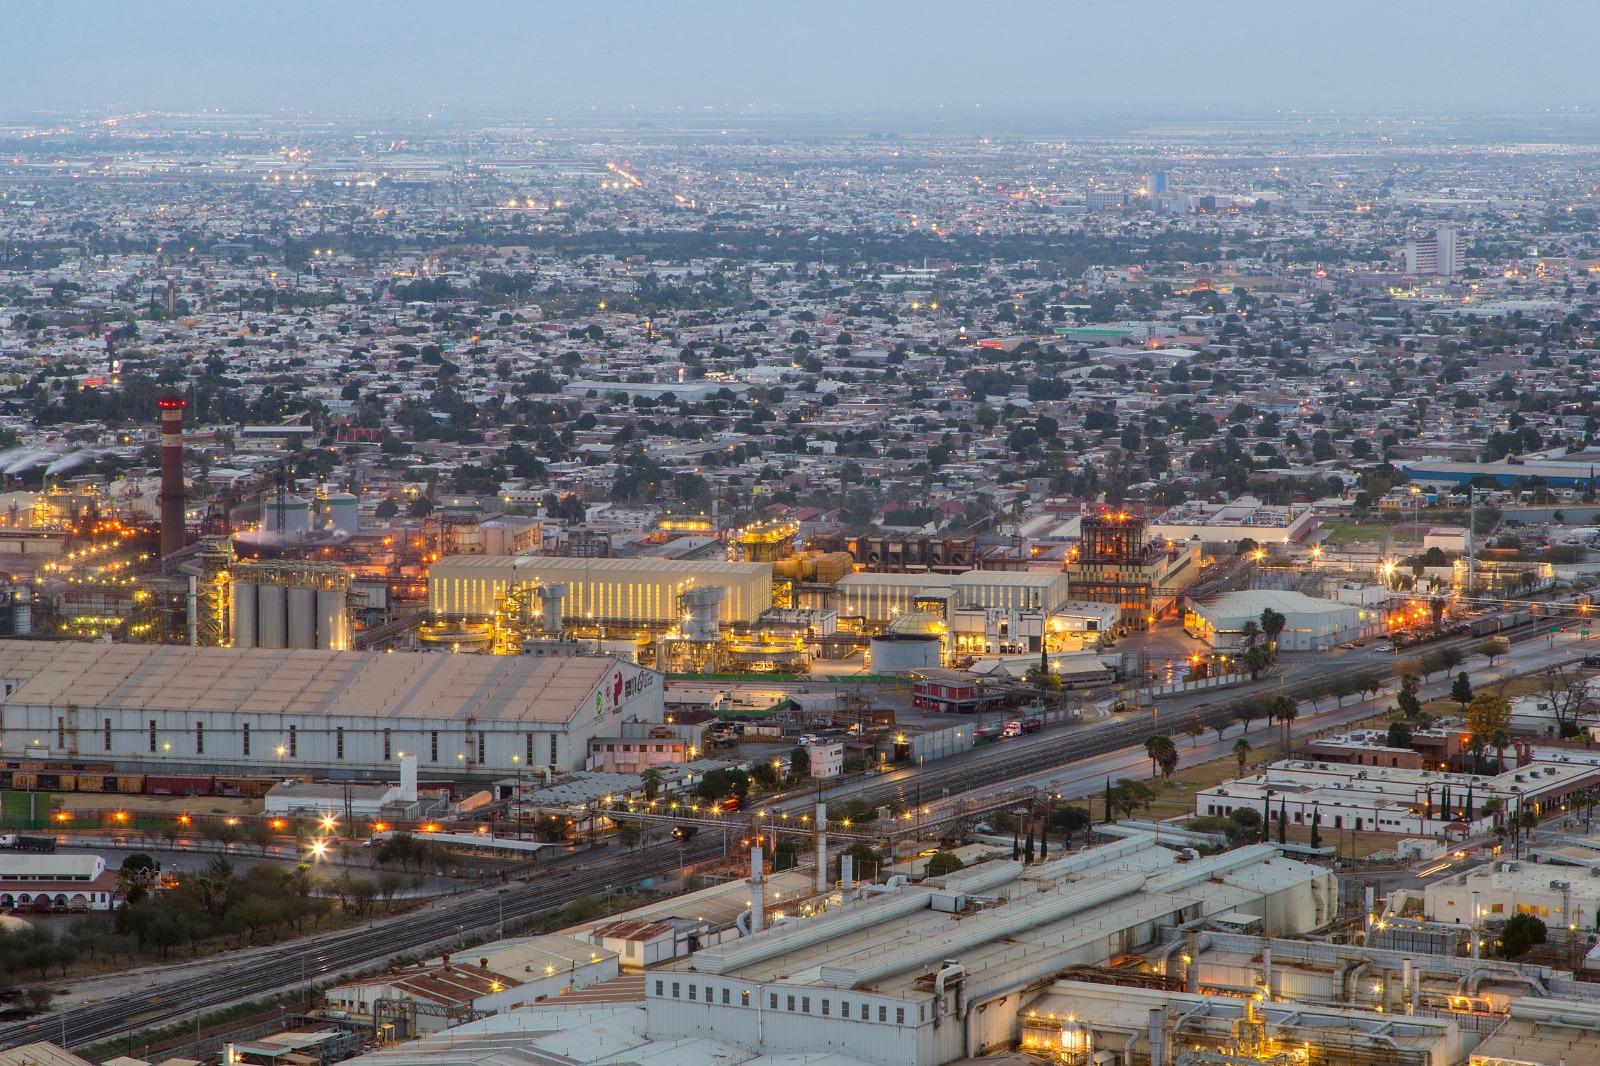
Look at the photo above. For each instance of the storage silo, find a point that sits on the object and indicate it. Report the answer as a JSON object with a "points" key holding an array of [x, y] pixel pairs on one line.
{"points": [[552, 598], [343, 509], [22, 611], [302, 629], [242, 609], [272, 621], [914, 641], [333, 624], [701, 606]]}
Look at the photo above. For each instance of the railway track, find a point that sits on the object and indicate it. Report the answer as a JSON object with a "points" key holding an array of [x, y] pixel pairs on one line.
{"points": [[480, 911]]}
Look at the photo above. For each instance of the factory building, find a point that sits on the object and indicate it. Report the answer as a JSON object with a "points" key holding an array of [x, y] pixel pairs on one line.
{"points": [[627, 593], [234, 710], [1310, 624], [1118, 562], [1393, 799]]}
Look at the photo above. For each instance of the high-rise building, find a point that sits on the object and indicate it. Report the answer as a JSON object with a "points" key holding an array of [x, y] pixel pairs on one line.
{"points": [[1158, 183], [1439, 254]]}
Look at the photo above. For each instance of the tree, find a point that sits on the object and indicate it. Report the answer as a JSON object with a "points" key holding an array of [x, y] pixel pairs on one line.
{"points": [[628, 833], [1241, 752], [1461, 690], [651, 779], [1244, 824], [1194, 731], [1249, 633], [1493, 648], [1163, 754], [941, 863], [1257, 659], [1487, 714], [1521, 932], [1399, 735], [1569, 698], [1285, 709], [1272, 623], [1128, 795], [1069, 821], [1406, 698]]}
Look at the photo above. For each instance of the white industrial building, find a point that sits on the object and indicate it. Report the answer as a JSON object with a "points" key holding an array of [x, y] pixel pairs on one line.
{"points": [[623, 592], [1245, 518], [896, 974], [214, 710], [1310, 624], [1559, 896], [1383, 799]]}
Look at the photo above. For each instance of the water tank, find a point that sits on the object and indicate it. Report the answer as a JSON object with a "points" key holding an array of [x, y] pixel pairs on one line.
{"points": [[22, 611], [700, 605], [242, 615], [272, 620], [302, 618], [342, 512], [333, 626], [896, 652]]}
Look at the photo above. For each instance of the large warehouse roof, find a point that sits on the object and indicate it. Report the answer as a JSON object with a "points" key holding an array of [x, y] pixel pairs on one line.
{"points": [[258, 681], [506, 565]]}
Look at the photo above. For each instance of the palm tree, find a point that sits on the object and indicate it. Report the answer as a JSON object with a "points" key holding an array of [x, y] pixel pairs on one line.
{"points": [[651, 779], [1272, 623], [1249, 633], [1163, 754], [1500, 740], [1241, 751], [1257, 659], [1285, 709]]}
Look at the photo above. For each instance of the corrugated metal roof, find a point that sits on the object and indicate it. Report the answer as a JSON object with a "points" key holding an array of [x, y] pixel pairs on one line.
{"points": [[259, 681]]}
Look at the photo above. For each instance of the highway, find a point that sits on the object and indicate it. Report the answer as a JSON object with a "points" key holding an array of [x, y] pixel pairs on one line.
{"points": [[260, 973]]}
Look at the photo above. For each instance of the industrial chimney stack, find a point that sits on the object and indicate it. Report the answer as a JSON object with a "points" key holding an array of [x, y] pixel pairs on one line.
{"points": [[171, 496]]}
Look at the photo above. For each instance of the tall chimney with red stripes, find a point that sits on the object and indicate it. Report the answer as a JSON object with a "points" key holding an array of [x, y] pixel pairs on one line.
{"points": [[171, 496]]}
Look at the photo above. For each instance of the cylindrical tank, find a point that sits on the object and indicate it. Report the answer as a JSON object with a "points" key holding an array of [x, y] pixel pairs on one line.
{"points": [[333, 628], [896, 652], [1077, 1043], [272, 618], [302, 618], [22, 611], [296, 515], [342, 512], [552, 600], [242, 614], [701, 603]]}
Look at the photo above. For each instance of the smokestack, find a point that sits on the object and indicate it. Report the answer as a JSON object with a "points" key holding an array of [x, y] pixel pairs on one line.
{"points": [[1477, 939], [1158, 1036], [757, 921], [1266, 970], [172, 296], [408, 779], [171, 496], [822, 848], [1407, 979], [847, 873]]}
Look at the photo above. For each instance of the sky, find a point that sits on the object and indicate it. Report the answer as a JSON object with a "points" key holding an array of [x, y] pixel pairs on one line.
{"points": [[1153, 56]]}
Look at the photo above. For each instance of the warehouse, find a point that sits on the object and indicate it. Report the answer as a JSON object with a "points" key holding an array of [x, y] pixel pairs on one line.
{"points": [[1310, 624], [622, 592], [221, 710]]}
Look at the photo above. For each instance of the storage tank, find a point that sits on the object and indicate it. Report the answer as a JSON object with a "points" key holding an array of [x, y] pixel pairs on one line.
{"points": [[21, 611], [342, 512], [272, 619], [333, 627], [242, 614], [701, 604], [302, 617], [552, 599], [296, 514], [896, 652]]}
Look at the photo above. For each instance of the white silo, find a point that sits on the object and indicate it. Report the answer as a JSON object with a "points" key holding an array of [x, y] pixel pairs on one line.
{"points": [[302, 617], [333, 624], [552, 599], [343, 510], [272, 622], [242, 614], [700, 604], [22, 611]]}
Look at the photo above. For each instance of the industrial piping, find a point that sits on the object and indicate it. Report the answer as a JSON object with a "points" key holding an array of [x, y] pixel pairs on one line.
{"points": [[171, 495]]}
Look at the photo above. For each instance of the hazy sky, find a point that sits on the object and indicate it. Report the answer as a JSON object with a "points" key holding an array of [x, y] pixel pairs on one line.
{"points": [[1148, 54]]}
